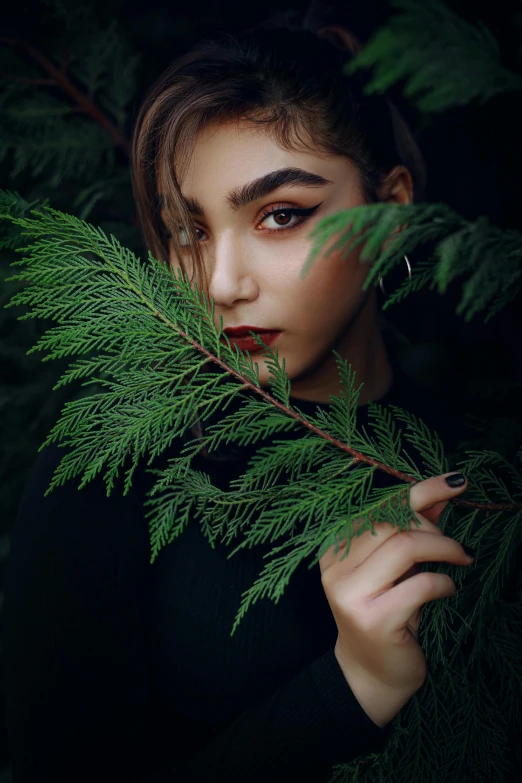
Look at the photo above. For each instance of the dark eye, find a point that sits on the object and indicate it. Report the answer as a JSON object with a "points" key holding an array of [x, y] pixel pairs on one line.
{"points": [[185, 243], [286, 212], [299, 212]]}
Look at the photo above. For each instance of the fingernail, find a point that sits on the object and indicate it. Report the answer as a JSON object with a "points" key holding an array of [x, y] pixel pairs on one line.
{"points": [[468, 550], [455, 480]]}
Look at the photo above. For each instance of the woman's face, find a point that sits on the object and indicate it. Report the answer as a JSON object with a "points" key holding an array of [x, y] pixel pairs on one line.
{"points": [[253, 259]]}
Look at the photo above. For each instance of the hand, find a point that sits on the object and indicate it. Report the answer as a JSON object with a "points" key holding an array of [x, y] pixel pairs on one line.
{"points": [[376, 596]]}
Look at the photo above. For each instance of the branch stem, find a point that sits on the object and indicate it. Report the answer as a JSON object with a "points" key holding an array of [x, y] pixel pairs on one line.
{"points": [[59, 78], [357, 455]]}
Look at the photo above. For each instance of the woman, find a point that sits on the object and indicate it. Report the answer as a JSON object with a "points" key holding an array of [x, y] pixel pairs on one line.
{"points": [[119, 670]]}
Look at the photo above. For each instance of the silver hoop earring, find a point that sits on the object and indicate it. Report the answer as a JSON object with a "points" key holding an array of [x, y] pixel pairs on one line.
{"points": [[409, 275]]}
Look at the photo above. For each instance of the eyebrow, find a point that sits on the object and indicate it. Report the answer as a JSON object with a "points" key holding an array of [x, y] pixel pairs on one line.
{"points": [[264, 186]]}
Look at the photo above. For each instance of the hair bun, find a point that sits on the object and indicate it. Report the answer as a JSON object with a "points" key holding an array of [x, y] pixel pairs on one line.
{"points": [[340, 37]]}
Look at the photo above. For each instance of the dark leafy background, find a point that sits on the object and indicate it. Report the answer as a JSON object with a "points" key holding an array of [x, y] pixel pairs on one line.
{"points": [[472, 155]]}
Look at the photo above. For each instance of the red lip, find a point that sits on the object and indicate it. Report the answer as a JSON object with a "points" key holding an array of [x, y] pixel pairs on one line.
{"points": [[247, 343], [243, 331]]}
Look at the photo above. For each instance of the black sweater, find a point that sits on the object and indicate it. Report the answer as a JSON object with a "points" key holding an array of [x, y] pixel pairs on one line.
{"points": [[119, 670]]}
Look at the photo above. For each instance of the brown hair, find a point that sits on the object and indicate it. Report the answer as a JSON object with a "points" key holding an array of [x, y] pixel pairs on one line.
{"points": [[286, 74]]}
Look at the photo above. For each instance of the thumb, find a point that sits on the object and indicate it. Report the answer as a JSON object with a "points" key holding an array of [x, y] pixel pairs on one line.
{"points": [[431, 496]]}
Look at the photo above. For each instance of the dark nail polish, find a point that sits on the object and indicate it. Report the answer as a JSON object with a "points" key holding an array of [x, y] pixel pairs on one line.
{"points": [[455, 480], [468, 550]]}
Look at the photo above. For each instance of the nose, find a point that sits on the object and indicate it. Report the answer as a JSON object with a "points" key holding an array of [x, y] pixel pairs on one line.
{"points": [[231, 275]]}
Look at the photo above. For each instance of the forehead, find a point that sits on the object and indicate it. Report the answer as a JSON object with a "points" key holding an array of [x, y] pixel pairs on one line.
{"points": [[228, 155], [234, 164], [236, 149]]}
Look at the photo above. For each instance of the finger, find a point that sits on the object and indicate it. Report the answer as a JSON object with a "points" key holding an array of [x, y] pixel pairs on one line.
{"points": [[362, 546], [410, 572], [434, 491], [400, 608], [415, 621], [397, 554], [433, 513], [431, 496]]}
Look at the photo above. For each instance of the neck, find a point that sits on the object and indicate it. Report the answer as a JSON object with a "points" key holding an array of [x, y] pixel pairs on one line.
{"points": [[361, 345]]}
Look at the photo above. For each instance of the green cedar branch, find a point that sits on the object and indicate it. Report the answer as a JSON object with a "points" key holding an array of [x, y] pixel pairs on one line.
{"points": [[89, 301], [425, 43], [491, 257]]}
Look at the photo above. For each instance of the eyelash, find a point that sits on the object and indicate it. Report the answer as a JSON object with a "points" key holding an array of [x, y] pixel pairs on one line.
{"points": [[304, 213]]}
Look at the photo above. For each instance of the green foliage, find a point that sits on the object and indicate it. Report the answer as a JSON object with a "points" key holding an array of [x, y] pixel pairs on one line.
{"points": [[426, 43], [62, 139], [489, 257], [146, 331], [132, 333], [139, 331], [105, 67], [65, 114], [27, 405]]}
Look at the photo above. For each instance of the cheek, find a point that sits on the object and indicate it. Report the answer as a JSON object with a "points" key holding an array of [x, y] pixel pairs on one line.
{"points": [[173, 259], [175, 264], [333, 284]]}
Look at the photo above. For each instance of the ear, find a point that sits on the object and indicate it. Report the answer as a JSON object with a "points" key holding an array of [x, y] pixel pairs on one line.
{"points": [[397, 188]]}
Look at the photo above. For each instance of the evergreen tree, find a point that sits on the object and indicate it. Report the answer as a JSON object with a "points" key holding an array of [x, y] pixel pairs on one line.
{"points": [[140, 338]]}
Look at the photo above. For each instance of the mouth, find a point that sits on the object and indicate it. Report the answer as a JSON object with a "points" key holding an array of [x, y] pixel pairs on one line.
{"points": [[247, 343]]}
